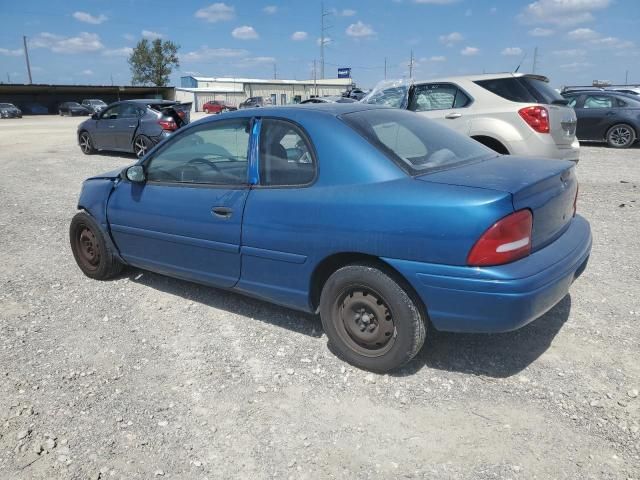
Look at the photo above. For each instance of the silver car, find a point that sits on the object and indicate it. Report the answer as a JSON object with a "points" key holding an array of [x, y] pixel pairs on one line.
{"points": [[512, 113]]}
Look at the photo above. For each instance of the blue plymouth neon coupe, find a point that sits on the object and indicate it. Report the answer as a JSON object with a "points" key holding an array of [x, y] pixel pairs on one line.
{"points": [[378, 219]]}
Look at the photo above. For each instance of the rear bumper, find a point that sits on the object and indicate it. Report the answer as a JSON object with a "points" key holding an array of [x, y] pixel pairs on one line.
{"points": [[502, 298], [543, 145]]}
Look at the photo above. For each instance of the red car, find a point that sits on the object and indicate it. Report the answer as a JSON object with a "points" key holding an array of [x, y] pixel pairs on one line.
{"points": [[217, 106]]}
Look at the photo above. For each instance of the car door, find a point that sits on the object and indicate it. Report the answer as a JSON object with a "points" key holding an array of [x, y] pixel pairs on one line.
{"points": [[104, 136], [185, 219], [126, 125], [595, 113], [274, 249], [444, 103]]}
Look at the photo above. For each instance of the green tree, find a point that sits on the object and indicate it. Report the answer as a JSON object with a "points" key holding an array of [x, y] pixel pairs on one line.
{"points": [[151, 63]]}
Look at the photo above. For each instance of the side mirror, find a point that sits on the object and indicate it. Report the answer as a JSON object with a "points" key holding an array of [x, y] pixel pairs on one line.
{"points": [[95, 116], [135, 174]]}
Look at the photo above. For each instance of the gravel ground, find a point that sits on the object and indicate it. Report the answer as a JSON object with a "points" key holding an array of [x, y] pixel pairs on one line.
{"points": [[149, 377]]}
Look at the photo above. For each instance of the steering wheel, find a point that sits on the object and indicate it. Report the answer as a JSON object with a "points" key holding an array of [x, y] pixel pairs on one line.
{"points": [[205, 162]]}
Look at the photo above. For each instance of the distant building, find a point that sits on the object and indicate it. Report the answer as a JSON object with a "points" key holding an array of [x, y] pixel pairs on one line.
{"points": [[200, 90]]}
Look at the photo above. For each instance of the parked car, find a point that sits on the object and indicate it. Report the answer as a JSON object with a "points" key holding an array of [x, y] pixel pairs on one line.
{"points": [[376, 218], [218, 106], [94, 105], [9, 110], [329, 99], [511, 113], [606, 116], [627, 90], [132, 125], [34, 109], [72, 109], [253, 102], [355, 93]]}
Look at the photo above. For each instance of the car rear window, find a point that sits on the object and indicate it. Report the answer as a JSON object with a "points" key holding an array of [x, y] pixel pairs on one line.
{"points": [[522, 90], [414, 142]]}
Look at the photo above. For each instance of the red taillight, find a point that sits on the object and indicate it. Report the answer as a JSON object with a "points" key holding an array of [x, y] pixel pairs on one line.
{"points": [[507, 240], [575, 201], [536, 117], [181, 114], [168, 124]]}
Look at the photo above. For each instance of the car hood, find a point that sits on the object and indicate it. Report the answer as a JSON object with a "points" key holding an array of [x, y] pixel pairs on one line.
{"points": [[111, 175]]}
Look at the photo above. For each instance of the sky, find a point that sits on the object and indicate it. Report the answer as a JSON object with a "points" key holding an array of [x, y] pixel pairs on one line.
{"points": [[88, 41]]}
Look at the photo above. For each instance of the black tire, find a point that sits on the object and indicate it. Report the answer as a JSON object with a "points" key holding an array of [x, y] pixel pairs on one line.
{"points": [[86, 144], [91, 250], [370, 320], [621, 136], [141, 145]]}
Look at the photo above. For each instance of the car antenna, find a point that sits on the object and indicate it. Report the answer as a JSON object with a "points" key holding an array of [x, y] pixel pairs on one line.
{"points": [[521, 60]]}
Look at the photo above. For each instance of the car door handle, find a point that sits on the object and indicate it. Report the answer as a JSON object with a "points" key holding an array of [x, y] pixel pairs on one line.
{"points": [[222, 212], [452, 116], [112, 126], [132, 126]]}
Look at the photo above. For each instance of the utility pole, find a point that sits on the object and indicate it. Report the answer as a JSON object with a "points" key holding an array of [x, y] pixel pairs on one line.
{"points": [[626, 77], [315, 83], [26, 56], [323, 28], [385, 68], [535, 60], [8, 78], [411, 66]]}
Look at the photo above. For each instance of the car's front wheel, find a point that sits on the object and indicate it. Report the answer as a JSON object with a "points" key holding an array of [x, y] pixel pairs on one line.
{"points": [[141, 145], [86, 145], [621, 136], [370, 320], [91, 250]]}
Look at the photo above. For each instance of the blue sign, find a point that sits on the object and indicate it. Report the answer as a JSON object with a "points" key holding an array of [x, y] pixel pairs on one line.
{"points": [[344, 73]]}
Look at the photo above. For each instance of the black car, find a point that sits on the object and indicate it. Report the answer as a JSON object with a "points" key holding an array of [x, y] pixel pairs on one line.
{"points": [[72, 109], [132, 125], [9, 110], [34, 109], [606, 116]]}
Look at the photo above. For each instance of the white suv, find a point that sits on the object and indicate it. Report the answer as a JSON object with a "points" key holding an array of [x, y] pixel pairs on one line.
{"points": [[512, 113]]}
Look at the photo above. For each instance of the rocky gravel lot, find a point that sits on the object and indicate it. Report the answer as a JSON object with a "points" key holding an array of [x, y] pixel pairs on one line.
{"points": [[148, 377]]}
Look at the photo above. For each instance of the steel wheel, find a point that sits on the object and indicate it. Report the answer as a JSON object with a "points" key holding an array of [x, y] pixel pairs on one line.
{"points": [[85, 143], [140, 147], [88, 249], [620, 136], [365, 322]]}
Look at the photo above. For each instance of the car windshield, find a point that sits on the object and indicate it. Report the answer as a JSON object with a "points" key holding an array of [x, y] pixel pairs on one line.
{"points": [[415, 143], [96, 102], [6, 105]]}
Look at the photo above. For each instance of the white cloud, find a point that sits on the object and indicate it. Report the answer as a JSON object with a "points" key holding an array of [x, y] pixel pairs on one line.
{"points": [[451, 38], [360, 30], [245, 32], [82, 43], [541, 32], [270, 9], [11, 53], [613, 42], [512, 51], [436, 2], [347, 12], [469, 51], [438, 58], [299, 36], [570, 52], [87, 72], [580, 34], [148, 34], [327, 40], [574, 66], [118, 52], [216, 12], [88, 18], [129, 37], [206, 53], [562, 12]]}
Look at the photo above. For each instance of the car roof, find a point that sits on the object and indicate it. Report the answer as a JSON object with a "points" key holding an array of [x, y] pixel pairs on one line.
{"points": [[481, 76]]}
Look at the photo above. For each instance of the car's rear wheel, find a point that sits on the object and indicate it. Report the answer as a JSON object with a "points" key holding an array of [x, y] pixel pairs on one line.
{"points": [[141, 145], [91, 250], [621, 136], [86, 145], [370, 320]]}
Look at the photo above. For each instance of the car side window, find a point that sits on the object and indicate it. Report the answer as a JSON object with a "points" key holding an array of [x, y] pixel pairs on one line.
{"points": [[597, 101], [212, 153], [437, 96], [286, 157], [112, 113], [621, 103], [572, 101], [129, 111]]}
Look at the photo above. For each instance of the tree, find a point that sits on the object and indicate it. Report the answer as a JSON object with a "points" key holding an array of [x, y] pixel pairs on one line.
{"points": [[152, 62]]}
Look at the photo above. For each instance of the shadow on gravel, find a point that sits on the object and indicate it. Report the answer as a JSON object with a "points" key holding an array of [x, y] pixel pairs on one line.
{"points": [[497, 355], [235, 303]]}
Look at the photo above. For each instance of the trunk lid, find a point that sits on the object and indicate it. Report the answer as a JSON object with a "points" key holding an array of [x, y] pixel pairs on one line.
{"points": [[562, 124], [180, 110], [546, 187]]}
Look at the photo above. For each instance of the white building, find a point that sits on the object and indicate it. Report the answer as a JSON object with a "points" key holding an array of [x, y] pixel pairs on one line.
{"points": [[200, 90]]}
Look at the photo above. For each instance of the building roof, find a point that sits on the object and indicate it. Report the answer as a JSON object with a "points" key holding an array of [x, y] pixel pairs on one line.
{"points": [[324, 81]]}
